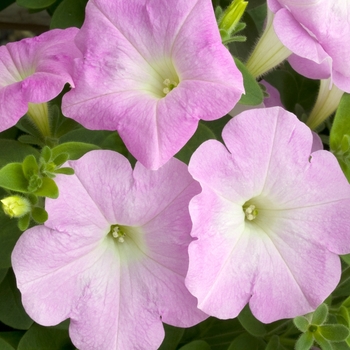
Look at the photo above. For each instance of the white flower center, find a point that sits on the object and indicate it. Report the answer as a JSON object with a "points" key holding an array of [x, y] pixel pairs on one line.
{"points": [[118, 233], [169, 85], [250, 212]]}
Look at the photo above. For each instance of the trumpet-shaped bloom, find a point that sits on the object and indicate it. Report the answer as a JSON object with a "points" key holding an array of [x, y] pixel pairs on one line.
{"points": [[151, 70], [34, 70], [317, 32], [270, 220], [112, 256]]}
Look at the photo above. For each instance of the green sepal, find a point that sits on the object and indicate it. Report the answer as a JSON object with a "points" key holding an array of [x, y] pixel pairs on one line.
{"points": [[302, 323], [334, 332], [39, 215], [61, 159], [75, 150], [253, 94], [250, 323], [320, 315], [46, 154], [65, 171], [33, 199], [23, 222], [12, 178], [304, 342], [47, 189]]}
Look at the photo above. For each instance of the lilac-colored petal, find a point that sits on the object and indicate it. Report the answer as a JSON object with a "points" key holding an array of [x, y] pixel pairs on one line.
{"points": [[310, 69], [153, 124], [295, 37], [317, 143], [281, 257], [115, 290], [274, 98], [34, 70]]}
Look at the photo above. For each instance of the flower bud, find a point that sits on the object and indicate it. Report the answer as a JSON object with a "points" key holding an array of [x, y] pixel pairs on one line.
{"points": [[232, 15], [16, 206]]}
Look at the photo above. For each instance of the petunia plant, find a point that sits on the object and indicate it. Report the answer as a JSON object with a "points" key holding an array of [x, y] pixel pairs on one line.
{"points": [[169, 178]]}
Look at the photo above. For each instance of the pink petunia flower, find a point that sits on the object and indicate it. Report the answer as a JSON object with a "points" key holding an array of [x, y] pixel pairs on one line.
{"points": [[33, 71], [270, 220], [112, 256], [151, 70], [312, 34]]}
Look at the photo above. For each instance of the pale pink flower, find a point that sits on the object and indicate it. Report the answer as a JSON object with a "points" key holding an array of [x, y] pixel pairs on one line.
{"points": [[317, 32], [151, 70], [112, 256], [270, 220], [34, 70]]}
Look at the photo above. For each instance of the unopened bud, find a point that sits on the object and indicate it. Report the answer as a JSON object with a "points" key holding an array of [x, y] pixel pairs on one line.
{"points": [[232, 15], [16, 206]]}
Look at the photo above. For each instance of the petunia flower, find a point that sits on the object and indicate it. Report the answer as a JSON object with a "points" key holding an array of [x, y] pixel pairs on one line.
{"points": [[270, 220], [112, 256], [34, 71], [313, 34], [151, 70]]}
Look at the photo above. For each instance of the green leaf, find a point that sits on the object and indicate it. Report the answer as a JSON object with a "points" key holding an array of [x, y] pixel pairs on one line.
{"points": [[39, 215], [172, 337], [69, 14], [44, 338], [324, 343], [250, 323], [341, 123], [196, 345], [3, 273], [11, 338], [75, 150], [61, 159], [246, 341], [343, 317], [346, 258], [46, 154], [253, 94], [12, 178], [47, 189], [319, 316], [274, 344], [217, 333], [30, 166], [66, 171], [334, 332], [23, 222], [301, 323], [9, 235], [11, 310], [35, 4], [305, 341], [202, 134], [5, 345]]}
